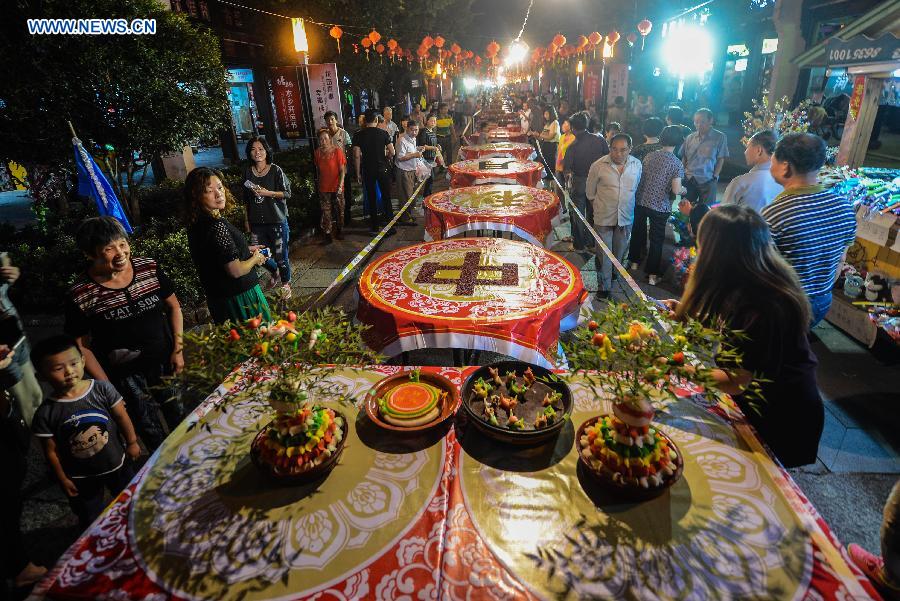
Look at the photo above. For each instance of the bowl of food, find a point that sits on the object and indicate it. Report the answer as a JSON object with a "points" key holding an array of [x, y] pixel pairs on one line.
{"points": [[634, 464], [516, 402], [412, 401], [300, 446]]}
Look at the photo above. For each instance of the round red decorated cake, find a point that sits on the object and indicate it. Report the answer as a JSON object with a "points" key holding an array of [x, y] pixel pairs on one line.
{"points": [[411, 404]]}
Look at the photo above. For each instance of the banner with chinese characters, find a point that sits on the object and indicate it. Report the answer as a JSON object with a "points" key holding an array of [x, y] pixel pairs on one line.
{"points": [[618, 82], [324, 94], [288, 102]]}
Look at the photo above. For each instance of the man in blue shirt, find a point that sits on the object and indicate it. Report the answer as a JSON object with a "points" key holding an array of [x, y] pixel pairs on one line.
{"points": [[703, 154]]}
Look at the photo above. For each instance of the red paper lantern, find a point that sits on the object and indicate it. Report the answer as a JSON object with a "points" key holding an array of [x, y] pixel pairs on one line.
{"points": [[644, 27], [582, 42], [455, 49], [392, 44], [612, 37], [439, 42], [469, 54], [427, 42], [477, 60], [595, 38], [374, 36], [336, 32], [559, 40], [366, 43], [631, 38], [492, 49], [422, 52], [379, 48]]}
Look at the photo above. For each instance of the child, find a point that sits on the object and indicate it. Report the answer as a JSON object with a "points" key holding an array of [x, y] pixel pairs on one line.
{"points": [[79, 425]]}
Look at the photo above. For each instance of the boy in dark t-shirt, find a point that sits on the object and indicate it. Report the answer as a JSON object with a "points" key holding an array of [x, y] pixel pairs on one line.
{"points": [[79, 425]]}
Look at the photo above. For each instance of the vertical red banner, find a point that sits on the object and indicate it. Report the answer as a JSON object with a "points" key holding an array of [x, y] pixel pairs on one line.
{"points": [[288, 102], [591, 84]]}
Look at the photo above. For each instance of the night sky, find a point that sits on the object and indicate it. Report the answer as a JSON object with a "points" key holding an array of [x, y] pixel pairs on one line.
{"points": [[503, 18]]}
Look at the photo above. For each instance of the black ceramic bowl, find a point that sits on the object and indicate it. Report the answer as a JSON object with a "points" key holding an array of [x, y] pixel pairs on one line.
{"points": [[471, 404]]}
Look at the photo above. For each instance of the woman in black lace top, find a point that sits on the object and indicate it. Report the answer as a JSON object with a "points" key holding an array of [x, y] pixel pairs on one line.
{"points": [[225, 263]]}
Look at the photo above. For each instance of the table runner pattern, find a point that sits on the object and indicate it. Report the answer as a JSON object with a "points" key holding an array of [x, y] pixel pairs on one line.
{"points": [[516, 150], [495, 171], [477, 293], [525, 211], [488, 521]]}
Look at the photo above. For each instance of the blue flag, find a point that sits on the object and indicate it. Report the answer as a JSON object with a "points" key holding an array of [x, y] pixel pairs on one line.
{"points": [[92, 182]]}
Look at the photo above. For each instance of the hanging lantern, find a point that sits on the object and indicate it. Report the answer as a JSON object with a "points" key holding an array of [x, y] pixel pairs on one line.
{"points": [[455, 49], [559, 40], [439, 42], [374, 36], [492, 49], [379, 48], [366, 43], [392, 44], [612, 37], [582, 42], [631, 38], [477, 60], [469, 54], [644, 27], [595, 38], [427, 42], [336, 32]]}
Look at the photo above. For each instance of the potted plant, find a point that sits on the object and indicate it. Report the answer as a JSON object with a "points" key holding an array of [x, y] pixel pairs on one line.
{"points": [[638, 355]]}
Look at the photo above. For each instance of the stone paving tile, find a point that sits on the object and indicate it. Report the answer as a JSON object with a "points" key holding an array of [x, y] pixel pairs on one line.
{"points": [[832, 438], [866, 451], [319, 277]]}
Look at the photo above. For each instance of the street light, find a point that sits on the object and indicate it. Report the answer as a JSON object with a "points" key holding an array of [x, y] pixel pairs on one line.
{"points": [[301, 44], [517, 52]]}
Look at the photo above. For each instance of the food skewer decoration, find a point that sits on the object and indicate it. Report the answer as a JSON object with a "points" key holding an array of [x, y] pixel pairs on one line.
{"points": [[507, 393], [300, 440], [635, 456]]}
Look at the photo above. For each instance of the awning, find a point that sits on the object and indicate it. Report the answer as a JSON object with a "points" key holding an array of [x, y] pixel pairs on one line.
{"points": [[859, 35]]}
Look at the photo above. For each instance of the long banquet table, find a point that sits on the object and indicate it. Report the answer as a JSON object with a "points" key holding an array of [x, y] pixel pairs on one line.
{"points": [[452, 515]]}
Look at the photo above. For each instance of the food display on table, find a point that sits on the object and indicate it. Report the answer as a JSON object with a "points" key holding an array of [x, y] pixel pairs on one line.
{"points": [[517, 402], [637, 460], [412, 401], [302, 444]]}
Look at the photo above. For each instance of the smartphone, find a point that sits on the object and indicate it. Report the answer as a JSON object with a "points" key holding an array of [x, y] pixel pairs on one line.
{"points": [[266, 252], [5, 261]]}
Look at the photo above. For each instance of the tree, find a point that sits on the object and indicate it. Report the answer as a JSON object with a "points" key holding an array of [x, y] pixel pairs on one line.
{"points": [[135, 96]]}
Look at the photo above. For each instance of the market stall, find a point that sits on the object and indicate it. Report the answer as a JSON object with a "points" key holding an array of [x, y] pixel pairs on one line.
{"points": [[453, 514], [867, 298], [527, 212], [495, 171], [488, 294]]}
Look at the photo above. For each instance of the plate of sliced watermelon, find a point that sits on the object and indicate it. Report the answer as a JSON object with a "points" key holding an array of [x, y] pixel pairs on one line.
{"points": [[412, 401]]}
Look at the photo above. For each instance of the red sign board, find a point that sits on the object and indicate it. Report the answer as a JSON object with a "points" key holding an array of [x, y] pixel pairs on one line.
{"points": [[591, 84], [288, 102]]}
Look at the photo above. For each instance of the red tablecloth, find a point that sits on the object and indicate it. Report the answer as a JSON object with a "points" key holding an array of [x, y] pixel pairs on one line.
{"points": [[474, 293], [495, 171], [515, 150], [507, 134], [452, 516], [525, 211]]}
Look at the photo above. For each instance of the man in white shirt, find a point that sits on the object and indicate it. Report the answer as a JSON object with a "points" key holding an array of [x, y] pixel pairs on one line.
{"points": [[757, 188], [408, 156], [612, 183]]}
